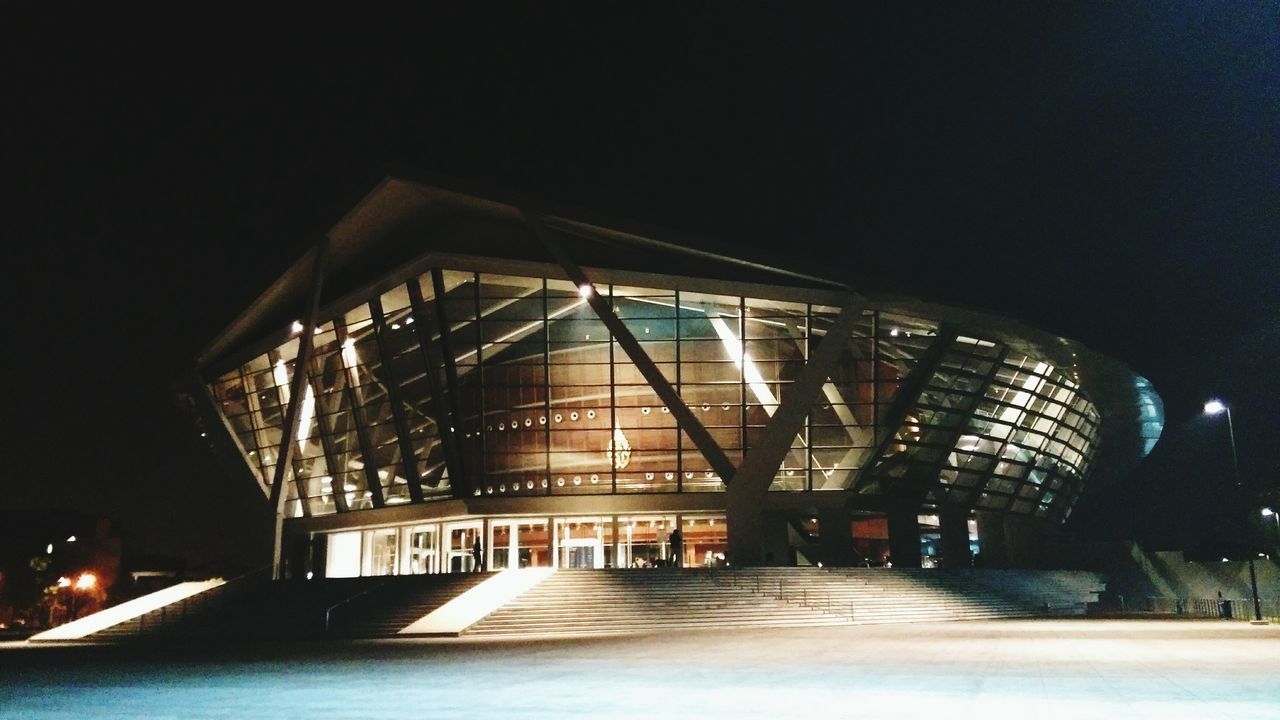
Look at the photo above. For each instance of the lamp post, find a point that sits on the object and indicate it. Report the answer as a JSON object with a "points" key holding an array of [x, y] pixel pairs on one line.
{"points": [[1217, 407]]}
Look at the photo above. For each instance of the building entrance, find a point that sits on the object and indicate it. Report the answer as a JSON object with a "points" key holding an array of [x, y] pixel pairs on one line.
{"points": [[581, 543], [645, 541], [517, 544], [461, 538]]}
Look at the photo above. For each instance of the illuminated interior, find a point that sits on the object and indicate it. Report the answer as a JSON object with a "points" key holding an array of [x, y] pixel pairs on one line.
{"points": [[546, 403], [564, 395]]}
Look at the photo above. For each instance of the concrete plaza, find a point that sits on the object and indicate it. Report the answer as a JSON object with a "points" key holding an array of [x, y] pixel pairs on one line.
{"points": [[1015, 668]]}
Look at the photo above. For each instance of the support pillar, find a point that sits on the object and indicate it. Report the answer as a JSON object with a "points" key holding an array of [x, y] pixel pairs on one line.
{"points": [[745, 526], [992, 544], [904, 536], [835, 532], [954, 524]]}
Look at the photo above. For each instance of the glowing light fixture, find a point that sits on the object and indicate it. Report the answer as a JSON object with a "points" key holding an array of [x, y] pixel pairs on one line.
{"points": [[619, 450], [1214, 407], [752, 374], [307, 416], [71, 538], [87, 581], [296, 327], [585, 290], [351, 360], [280, 374]]}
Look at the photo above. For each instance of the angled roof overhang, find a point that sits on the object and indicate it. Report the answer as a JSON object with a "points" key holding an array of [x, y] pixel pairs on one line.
{"points": [[403, 219]]}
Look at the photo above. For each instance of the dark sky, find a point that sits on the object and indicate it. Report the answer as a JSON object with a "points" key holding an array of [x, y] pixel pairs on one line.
{"points": [[1110, 172]]}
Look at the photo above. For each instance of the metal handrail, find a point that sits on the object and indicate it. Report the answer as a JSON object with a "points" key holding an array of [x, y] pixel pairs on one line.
{"points": [[328, 612], [219, 593]]}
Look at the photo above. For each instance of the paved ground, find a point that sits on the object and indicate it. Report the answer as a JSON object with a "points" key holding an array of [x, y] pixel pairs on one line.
{"points": [[1028, 669]]}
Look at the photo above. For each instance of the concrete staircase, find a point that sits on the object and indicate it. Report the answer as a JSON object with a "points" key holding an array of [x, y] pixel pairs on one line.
{"points": [[871, 595], [257, 608], [624, 601], [393, 605], [590, 602], [593, 602]]}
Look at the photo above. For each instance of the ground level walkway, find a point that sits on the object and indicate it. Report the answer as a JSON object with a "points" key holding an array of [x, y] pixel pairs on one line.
{"points": [[1072, 668]]}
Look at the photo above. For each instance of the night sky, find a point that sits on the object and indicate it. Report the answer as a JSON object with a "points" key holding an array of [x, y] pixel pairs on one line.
{"points": [[1108, 172]]}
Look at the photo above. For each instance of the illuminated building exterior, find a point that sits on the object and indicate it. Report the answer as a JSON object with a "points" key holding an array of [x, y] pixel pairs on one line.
{"points": [[569, 393]]}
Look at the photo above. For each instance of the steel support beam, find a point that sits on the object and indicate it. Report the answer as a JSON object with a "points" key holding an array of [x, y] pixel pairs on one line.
{"points": [[746, 494], [706, 444], [966, 416], [293, 414], [355, 401], [408, 459], [292, 418], [325, 433], [907, 397], [444, 405]]}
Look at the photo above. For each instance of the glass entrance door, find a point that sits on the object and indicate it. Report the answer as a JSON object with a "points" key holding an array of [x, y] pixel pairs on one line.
{"points": [[461, 538], [501, 538], [517, 544], [643, 542], [420, 557], [580, 543]]}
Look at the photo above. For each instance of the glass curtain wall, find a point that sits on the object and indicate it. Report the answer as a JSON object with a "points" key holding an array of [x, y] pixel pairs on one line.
{"points": [[544, 401]]}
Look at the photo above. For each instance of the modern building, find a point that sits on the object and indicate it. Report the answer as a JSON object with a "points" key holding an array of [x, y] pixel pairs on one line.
{"points": [[443, 368]]}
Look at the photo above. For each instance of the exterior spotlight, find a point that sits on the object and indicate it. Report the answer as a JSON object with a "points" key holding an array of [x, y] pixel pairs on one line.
{"points": [[1268, 512], [1214, 407], [64, 582], [71, 538], [87, 581], [585, 290], [296, 327]]}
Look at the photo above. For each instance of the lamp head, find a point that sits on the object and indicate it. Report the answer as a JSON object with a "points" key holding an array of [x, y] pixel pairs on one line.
{"points": [[1214, 407]]}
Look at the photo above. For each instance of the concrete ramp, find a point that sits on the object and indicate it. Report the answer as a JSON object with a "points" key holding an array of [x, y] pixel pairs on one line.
{"points": [[473, 605], [126, 611]]}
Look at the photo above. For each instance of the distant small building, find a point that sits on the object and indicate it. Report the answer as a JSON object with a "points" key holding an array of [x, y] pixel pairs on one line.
{"points": [[447, 366]]}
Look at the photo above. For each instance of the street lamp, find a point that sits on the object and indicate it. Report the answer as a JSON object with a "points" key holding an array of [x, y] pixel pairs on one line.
{"points": [[1217, 407]]}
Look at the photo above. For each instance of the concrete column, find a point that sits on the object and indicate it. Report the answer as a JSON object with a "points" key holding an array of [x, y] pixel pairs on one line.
{"points": [[613, 522], [992, 544], [904, 536], [744, 518], [1026, 541], [836, 537], [955, 537]]}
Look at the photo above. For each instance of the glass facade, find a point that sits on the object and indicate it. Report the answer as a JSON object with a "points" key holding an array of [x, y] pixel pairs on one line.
{"points": [[571, 542], [536, 398]]}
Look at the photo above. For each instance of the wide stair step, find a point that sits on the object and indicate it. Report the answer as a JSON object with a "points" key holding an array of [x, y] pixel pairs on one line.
{"points": [[590, 602]]}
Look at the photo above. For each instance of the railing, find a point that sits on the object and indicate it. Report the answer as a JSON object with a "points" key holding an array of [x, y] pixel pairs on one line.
{"points": [[345, 602], [216, 599], [1224, 608], [777, 589]]}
